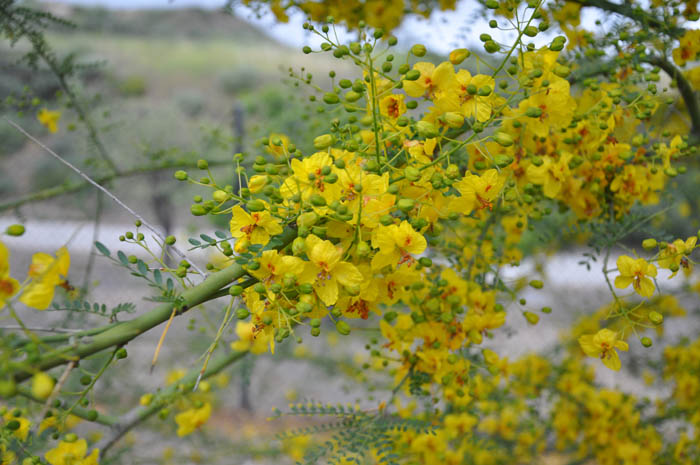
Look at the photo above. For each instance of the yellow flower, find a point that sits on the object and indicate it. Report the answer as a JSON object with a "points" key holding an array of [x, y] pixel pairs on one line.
{"points": [[603, 345], [72, 453], [191, 419], [22, 432], [42, 385], [555, 105], [477, 191], [688, 48], [326, 270], [396, 245], [8, 286], [46, 272], [551, 175], [433, 82], [392, 106], [635, 272], [252, 340], [675, 255], [256, 227], [49, 119]]}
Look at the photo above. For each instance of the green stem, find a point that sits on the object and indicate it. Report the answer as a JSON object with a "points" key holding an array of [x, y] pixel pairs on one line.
{"points": [[120, 334]]}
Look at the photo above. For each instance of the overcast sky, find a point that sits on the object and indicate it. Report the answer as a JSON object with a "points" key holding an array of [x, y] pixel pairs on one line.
{"points": [[443, 32]]}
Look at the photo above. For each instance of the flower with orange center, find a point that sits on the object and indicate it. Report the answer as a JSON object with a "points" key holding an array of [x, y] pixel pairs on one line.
{"points": [[392, 106], [326, 270], [603, 345], [8, 285], [635, 272], [477, 191], [256, 227], [46, 273], [396, 244]]}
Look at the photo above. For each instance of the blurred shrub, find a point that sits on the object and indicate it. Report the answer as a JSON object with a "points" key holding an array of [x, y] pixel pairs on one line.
{"points": [[10, 139], [240, 80], [132, 86], [191, 103]]}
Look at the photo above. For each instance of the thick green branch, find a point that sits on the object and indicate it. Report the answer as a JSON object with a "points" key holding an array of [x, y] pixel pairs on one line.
{"points": [[122, 333], [634, 13], [686, 91], [134, 417]]}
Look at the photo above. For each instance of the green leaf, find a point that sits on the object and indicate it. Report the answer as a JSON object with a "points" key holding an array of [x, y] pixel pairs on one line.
{"points": [[122, 258], [103, 250], [194, 242], [143, 268], [220, 234], [208, 239], [157, 277]]}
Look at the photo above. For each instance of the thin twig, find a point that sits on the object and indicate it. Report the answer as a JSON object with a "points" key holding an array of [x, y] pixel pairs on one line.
{"points": [[56, 389], [108, 193], [43, 330]]}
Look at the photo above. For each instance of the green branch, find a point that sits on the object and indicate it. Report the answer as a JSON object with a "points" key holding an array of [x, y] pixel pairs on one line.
{"points": [[136, 416], [121, 333], [64, 189], [634, 13]]}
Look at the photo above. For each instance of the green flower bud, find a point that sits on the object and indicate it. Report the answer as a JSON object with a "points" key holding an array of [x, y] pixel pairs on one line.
{"points": [[502, 160], [85, 380], [363, 249], [491, 47], [330, 98], [342, 327], [531, 318], [459, 55], [15, 230], [323, 142], [305, 288], [646, 341], [426, 129], [503, 138], [121, 353], [412, 173], [202, 164], [242, 313], [656, 317], [352, 96], [406, 205], [649, 244], [419, 50], [181, 175], [530, 31], [412, 75], [255, 205], [220, 196], [317, 200], [235, 290], [537, 284]]}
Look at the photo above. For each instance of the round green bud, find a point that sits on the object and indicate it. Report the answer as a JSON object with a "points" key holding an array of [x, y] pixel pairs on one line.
{"points": [[406, 205], [412, 75], [235, 290], [181, 175], [531, 318], [92, 415], [198, 210], [342, 327], [85, 380], [649, 244], [315, 331], [242, 313], [305, 288], [255, 205], [646, 341], [537, 284], [419, 50], [426, 262], [503, 138], [330, 98], [170, 240], [323, 141], [8, 388], [656, 317], [15, 230], [202, 164], [121, 353], [306, 49], [260, 288]]}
